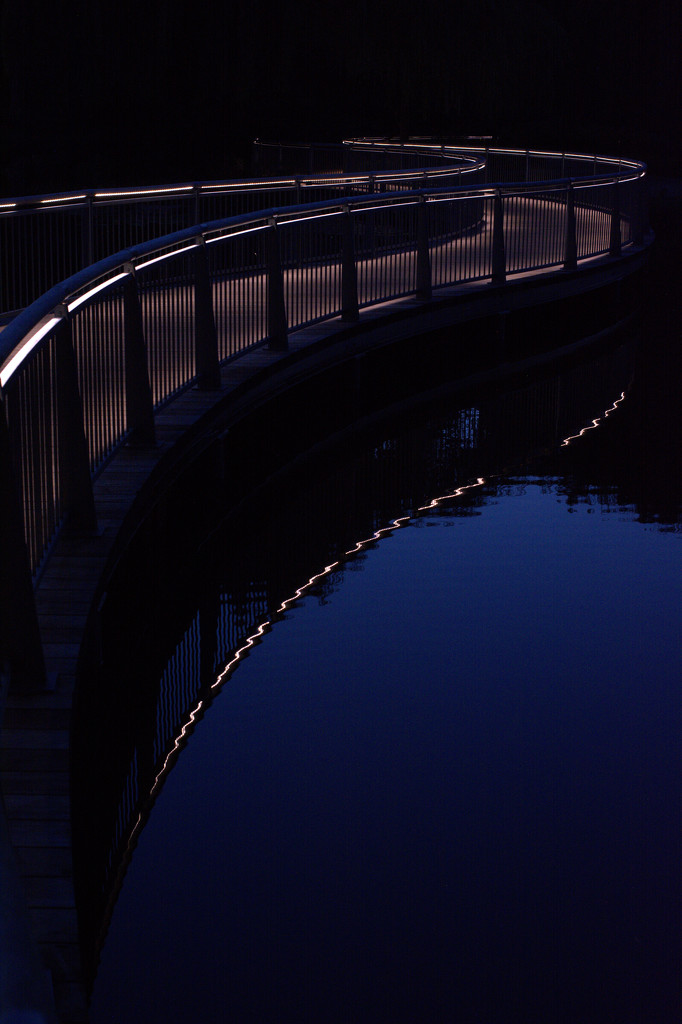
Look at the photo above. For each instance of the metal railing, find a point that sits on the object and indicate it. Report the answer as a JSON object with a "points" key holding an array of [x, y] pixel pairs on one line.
{"points": [[84, 368], [46, 238]]}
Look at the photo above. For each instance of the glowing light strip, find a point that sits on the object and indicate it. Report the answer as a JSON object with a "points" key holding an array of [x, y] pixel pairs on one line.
{"points": [[166, 256], [483, 194], [595, 184], [248, 184], [316, 216], [143, 192], [8, 206], [390, 204], [20, 355], [94, 291], [62, 199], [234, 234], [595, 422], [314, 183]]}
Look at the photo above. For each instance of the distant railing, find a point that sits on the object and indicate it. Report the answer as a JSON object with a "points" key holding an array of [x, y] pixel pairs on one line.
{"points": [[84, 368], [45, 239]]}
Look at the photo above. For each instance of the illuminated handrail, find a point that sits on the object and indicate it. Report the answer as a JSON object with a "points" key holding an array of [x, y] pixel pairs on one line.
{"points": [[85, 367], [46, 238]]}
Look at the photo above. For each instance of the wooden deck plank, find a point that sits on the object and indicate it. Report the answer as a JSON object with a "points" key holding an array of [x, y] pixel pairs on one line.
{"points": [[47, 783], [44, 861], [40, 833], [37, 806]]}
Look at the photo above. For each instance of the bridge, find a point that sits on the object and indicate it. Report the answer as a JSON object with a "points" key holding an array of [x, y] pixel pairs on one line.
{"points": [[143, 322]]}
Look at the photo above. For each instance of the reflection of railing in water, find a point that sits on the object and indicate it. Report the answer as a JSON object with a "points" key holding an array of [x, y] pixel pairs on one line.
{"points": [[449, 462]]}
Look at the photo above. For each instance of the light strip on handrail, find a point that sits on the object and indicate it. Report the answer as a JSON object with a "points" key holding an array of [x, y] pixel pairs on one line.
{"points": [[317, 182], [94, 291], [166, 256], [62, 199], [143, 192], [233, 234], [248, 184], [316, 216], [27, 347]]}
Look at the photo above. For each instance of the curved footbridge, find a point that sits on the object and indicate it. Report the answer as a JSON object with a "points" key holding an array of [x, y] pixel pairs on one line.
{"points": [[116, 378]]}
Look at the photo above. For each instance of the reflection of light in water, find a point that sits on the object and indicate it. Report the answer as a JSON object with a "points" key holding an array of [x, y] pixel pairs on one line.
{"points": [[595, 422], [300, 592], [266, 626]]}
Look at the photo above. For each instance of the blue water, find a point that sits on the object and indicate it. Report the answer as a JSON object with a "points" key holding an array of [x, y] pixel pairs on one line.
{"points": [[448, 791]]}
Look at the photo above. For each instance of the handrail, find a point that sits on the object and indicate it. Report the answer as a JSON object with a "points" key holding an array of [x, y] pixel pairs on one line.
{"points": [[85, 366]]}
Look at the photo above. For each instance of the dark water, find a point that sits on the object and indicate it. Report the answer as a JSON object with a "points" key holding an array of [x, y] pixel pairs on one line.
{"points": [[445, 784]]}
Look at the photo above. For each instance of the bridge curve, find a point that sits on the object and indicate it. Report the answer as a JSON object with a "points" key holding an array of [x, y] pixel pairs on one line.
{"points": [[112, 377]]}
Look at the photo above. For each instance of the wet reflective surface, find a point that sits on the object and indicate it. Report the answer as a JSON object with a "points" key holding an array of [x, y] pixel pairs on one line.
{"points": [[442, 783]]}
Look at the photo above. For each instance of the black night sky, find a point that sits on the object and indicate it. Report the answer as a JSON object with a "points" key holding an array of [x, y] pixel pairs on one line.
{"points": [[165, 90]]}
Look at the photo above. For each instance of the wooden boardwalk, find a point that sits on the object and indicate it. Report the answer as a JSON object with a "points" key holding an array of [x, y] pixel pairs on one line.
{"points": [[34, 744]]}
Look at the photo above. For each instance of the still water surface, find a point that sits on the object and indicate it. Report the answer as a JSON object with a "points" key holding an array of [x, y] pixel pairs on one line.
{"points": [[447, 785], [450, 790]]}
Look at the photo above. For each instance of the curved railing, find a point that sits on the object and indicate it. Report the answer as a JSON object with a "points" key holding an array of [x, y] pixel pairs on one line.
{"points": [[46, 238], [86, 365]]}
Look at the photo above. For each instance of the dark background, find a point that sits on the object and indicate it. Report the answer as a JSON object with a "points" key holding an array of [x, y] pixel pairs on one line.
{"points": [[165, 90]]}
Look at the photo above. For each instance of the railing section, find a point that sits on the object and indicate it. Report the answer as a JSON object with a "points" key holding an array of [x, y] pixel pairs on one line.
{"points": [[85, 367], [44, 239]]}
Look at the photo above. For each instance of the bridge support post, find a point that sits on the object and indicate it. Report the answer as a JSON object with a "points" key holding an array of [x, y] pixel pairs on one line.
{"points": [[571, 249], [205, 337], [74, 460], [639, 214], [277, 314], [349, 274], [139, 401], [614, 239], [21, 650], [499, 267], [424, 291]]}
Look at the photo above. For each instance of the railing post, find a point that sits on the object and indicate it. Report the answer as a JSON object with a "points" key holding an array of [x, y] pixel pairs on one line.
{"points": [[74, 461], [205, 337], [139, 401], [638, 236], [499, 267], [527, 165], [278, 339], [349, 273], [614, 239], [21, 649], [87, 234], [423, 291], [571, 249]]}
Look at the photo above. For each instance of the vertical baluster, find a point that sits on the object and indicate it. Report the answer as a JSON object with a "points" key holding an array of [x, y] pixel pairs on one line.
{"points": [[139, 402], [614, 236], [75, 482], [277, 315], [570, 249], [349, 276], [499, 273], [423, 291], [205, 336]]}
